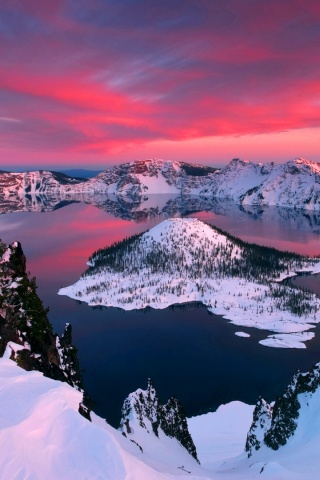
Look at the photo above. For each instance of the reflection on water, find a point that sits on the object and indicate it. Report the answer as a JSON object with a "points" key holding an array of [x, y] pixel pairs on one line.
{"points": [[284, 228], [188, 353], [311, 282]]}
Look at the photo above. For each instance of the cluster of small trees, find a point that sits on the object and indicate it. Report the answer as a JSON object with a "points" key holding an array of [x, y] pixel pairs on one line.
{"points": [[298, 301], [2, 248]]}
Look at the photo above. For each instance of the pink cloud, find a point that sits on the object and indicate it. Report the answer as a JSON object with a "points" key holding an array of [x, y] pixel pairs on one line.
{"points": [[105, 79]]}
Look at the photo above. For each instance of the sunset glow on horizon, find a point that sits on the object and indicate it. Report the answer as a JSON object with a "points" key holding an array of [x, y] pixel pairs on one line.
{"points": [[91, 84]]}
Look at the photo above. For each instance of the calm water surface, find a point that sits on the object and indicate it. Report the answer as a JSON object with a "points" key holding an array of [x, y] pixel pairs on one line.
{"points": [[187, 352]]}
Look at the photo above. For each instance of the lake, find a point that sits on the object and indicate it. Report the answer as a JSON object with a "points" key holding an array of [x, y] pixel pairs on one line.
{"points": [[187, 352]]}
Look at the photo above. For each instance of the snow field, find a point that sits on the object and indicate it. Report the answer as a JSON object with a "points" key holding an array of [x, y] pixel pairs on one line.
{"points": [[42, 436]]}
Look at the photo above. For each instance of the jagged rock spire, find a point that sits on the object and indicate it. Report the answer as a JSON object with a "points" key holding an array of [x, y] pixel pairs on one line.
{"points": [[142, 409], [68, 355], [174, 424], [260, 424], [273, 426]]}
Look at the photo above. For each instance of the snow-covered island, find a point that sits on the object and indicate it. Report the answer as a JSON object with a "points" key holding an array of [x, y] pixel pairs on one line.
{"points": [[186, 260], [47, 428]]}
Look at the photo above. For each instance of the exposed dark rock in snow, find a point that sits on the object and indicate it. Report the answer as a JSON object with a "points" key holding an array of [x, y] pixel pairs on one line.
{"points": [[24, 321], [142, 409], [260, 424], [274, 426]]}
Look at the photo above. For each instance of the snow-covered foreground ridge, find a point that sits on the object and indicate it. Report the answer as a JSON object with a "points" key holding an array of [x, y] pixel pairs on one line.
{"points": [[42, 436], [186, 260], [295, 184]]}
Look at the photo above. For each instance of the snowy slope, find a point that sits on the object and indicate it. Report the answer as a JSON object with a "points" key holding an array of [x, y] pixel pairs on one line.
{"points": [[236, 179], [42, 436], [184, 260], [295, 184], [220, 435]]}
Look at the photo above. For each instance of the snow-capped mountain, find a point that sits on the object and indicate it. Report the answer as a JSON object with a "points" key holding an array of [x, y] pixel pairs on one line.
{"points": [[130, 180], [236, 179], [36, 183], [185, 260], [295, 184], [152, 176]]}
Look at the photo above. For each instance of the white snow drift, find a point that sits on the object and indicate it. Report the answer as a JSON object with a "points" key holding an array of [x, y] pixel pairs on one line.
{"points": [[42, 436]]}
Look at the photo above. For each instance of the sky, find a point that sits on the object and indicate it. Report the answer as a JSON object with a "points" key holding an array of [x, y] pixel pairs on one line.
{"points": [[92, 83]]}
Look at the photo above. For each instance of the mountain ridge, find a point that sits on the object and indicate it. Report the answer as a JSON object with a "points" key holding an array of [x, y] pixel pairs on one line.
{"points": [[294, 184]]}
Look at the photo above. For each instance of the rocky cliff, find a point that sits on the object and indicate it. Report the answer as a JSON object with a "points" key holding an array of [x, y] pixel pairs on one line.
{"points": [[25, 331], [275, 425]]}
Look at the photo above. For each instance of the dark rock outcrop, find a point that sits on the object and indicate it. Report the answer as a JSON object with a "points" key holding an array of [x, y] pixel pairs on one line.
{"points": [[286, 408], [174, 424], [24, 321], [273, 426], [143, 406], [260, 424]]}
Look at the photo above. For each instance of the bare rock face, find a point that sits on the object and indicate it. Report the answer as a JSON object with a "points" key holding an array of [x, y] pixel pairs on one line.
{"points": [[174, 424]]}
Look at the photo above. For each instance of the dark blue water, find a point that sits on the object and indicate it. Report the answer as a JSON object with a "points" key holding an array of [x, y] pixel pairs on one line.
{"points": [[186, 351]]}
